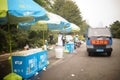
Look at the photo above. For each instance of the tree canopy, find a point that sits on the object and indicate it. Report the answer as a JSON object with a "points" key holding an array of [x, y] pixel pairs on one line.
{"points": [[41, 2], [45, 3], [69, 10], [19, 38], [115, 29]]}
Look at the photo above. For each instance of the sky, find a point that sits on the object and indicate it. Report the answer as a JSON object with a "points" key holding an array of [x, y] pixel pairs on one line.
{"points": [[99, 13]]}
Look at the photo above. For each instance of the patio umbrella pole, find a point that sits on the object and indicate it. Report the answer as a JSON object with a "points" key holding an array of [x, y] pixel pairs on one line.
{"points": [[43, 38], [10, 46]]}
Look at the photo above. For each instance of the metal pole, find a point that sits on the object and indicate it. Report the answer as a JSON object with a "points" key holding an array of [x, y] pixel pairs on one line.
{"points": [[10, 43], [43, 38]]}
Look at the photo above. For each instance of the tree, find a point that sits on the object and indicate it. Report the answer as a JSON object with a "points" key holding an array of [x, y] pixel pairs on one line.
{"points": [[68, 10], [115, 29], [45, 3], [84, 27], [40, 2], [58, 4], [3, 41]]}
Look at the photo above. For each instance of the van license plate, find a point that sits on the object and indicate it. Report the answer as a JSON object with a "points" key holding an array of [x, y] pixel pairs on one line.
{"points": [[99, 50]]}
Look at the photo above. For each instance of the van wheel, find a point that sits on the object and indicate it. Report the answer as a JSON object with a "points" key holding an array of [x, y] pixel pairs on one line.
{"points": [[108, 53]]}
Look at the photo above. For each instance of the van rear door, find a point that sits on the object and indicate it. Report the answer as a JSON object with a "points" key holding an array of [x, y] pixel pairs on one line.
{"points": [[99, 40]]}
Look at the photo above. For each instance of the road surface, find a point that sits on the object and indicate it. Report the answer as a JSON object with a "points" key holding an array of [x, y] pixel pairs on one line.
{"points": [[76, 66], [79, 66]]}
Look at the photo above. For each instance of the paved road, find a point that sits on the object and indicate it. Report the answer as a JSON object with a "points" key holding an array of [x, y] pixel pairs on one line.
{"points": [[79, 66]]}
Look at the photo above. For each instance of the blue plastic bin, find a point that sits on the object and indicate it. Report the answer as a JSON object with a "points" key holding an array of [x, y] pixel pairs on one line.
{"points": [[69, 47], [25, 66], [42, 59]]}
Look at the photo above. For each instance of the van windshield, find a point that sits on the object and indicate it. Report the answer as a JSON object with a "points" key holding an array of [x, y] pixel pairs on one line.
{"points": [[99, 32]]}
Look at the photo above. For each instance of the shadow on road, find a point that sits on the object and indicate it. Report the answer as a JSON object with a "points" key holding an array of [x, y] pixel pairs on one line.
{"points": [[99, 55], [4, 68]]}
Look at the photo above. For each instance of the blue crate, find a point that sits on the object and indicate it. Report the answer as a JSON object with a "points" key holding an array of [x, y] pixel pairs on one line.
{"points": [[42, 59], [69, 47], [25, 66]]}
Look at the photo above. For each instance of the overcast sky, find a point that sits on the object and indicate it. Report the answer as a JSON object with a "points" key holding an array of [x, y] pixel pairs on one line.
{"points": [[99, 13]]}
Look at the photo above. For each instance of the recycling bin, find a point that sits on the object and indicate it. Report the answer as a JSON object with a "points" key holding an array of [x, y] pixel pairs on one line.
{"points": [[42, 59], [69, 47], [25, 63], [25, 66]]}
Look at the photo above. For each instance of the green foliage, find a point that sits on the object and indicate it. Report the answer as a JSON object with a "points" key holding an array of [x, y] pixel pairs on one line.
{"points": [[40, 2], [69, 10], [115, 29], [83, 27], [32, 34], [36, 38], [45, 3], [58, 4], [35, 42], [3, 41], [19, 38]]}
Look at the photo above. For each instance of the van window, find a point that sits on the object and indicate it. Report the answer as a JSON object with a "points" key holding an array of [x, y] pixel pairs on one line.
{"points": [[99, 32]]}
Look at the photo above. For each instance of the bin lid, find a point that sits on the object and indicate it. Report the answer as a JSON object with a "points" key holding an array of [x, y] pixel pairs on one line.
{"points": [[27, 52]]}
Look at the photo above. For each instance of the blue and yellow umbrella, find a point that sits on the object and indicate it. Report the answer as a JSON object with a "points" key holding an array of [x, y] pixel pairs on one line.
{"points": [[16, 11], [73, 28]]}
